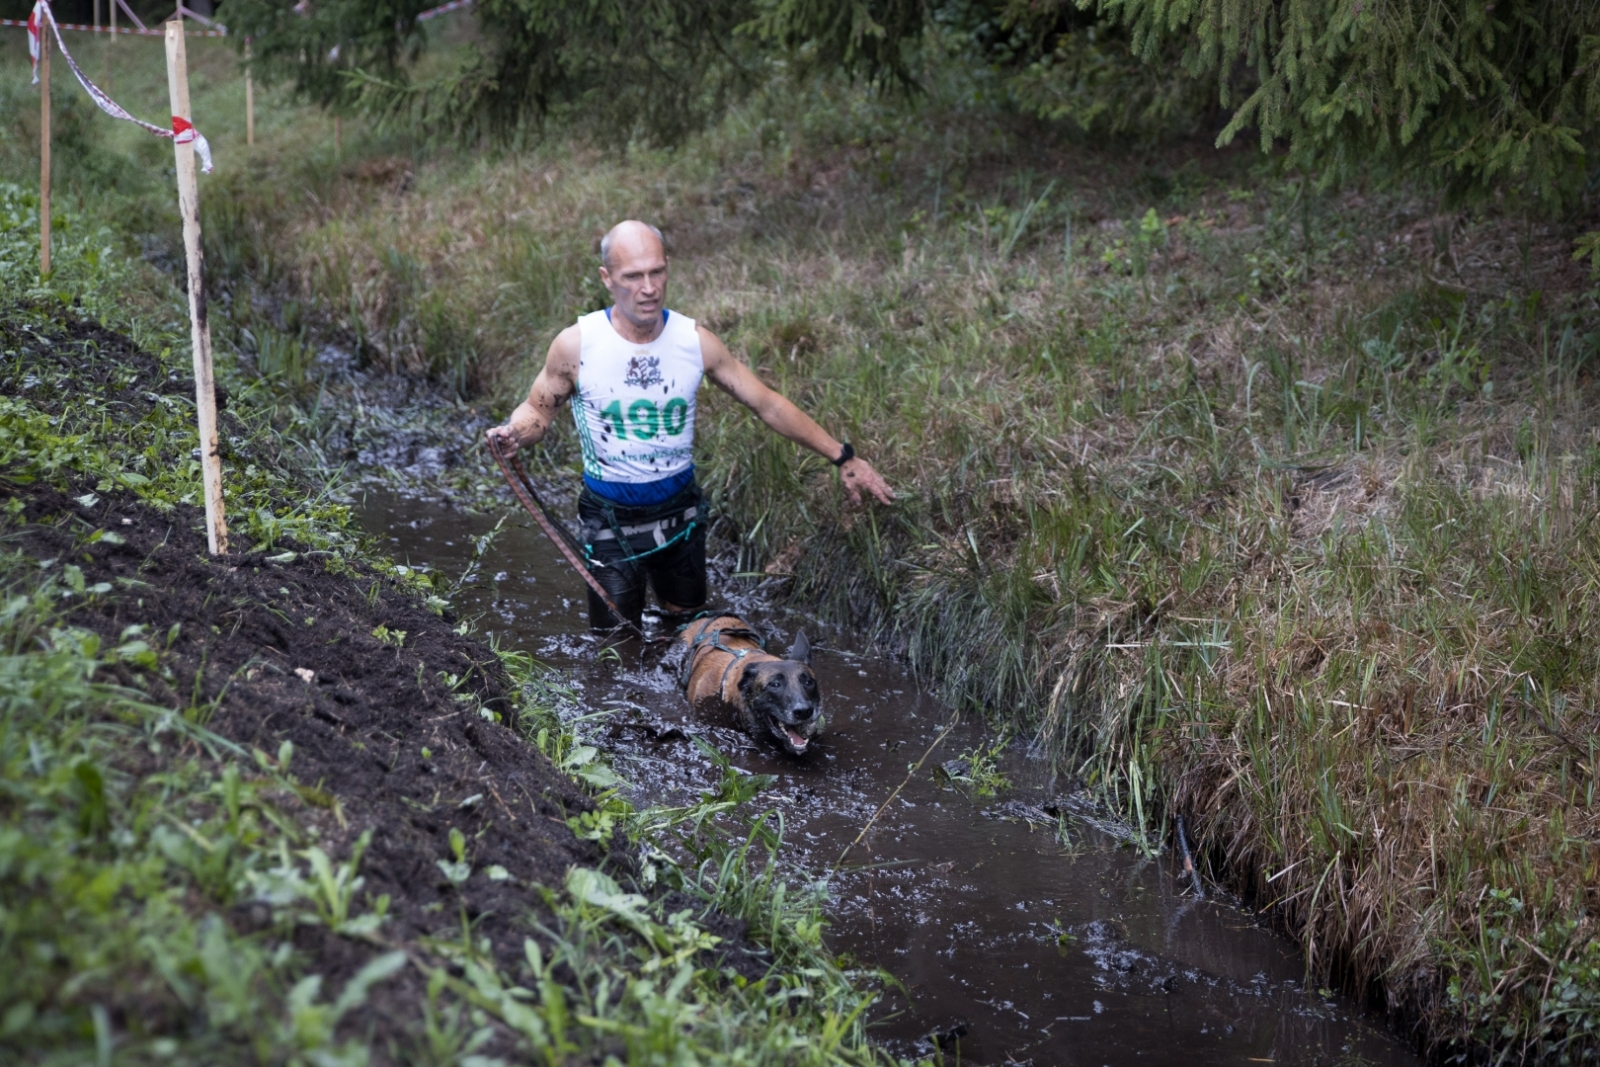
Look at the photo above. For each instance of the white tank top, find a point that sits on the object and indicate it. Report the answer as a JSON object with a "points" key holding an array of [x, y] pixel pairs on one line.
{"points": [[635, 403]]}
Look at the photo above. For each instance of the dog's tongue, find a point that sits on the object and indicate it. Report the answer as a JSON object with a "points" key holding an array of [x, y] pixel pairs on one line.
{"points": [[796, 740]]}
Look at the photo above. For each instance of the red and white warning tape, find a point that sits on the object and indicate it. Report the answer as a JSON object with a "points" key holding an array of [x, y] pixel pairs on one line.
{"points": [[121, 31], [442, 9], [218, 31], [182, 132], [33, 41]]}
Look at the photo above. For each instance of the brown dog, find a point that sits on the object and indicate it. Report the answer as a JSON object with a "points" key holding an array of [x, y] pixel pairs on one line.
{"points": [[771, 696]]}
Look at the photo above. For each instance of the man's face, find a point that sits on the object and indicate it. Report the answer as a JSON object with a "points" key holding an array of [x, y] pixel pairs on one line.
{"points": [[637, 279]]}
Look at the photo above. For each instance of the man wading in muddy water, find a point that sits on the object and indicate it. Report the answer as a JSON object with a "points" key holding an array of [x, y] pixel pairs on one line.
{"points": [[635, 368]]}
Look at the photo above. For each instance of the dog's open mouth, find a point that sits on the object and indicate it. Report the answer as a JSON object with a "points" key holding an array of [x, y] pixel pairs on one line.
{"points": [[794, 739]]}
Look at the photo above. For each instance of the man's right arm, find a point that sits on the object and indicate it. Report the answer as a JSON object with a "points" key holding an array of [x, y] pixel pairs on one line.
{"points": [[554, 385]]}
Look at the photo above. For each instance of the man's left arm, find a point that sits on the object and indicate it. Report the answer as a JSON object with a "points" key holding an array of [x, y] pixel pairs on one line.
{"points": [[779, 413]]}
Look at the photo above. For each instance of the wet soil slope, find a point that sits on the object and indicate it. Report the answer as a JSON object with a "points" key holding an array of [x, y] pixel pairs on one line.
{"points": [[396, 736], [388, 739]]}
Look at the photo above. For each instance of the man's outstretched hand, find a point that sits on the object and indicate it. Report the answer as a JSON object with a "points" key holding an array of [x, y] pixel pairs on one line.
{"points": [[505, 438], [858, 475]]}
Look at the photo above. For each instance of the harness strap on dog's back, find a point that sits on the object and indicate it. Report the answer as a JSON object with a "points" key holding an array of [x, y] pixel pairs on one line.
{"points": [[722, 683], [709, 639]]}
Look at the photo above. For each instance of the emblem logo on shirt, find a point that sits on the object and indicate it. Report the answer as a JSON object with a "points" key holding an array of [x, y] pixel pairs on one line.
{"points": [[643, 371]]}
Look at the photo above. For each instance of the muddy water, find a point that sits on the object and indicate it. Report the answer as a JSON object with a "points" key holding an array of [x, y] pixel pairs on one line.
{"points": [[1019, 924]]}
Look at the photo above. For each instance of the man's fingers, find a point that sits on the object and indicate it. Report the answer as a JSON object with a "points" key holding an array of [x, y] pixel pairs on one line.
{"points": [[499, 436], [863, 476], [880, 488]]}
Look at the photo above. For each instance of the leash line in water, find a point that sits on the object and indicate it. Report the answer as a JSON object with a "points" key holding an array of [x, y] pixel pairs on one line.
{"points": [[522, 488], [915, 767], [1189, 867]]}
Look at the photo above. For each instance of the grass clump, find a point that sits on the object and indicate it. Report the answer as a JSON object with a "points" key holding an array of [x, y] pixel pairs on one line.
{"points": [[96, 861]]}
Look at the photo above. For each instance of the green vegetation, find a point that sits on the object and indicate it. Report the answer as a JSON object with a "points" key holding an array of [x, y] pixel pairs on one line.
{"points": [[1476, 98], [115, 881], [169, 895], [1484, 99], [978, 768], [1269, 505]]}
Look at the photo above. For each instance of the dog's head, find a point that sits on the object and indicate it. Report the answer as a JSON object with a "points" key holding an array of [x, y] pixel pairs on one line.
{"points": [[782, 695]]}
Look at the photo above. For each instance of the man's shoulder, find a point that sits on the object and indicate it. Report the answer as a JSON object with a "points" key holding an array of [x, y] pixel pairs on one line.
{"points": [[712, 349], [685, 333], [585, 322], [566, 349]]}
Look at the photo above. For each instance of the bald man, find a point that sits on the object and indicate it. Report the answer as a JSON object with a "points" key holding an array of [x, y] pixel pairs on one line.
{"points": [[635, 369]]}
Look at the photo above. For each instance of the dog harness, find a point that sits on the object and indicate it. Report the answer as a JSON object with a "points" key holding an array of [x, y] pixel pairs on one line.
{"points": [[712, 639], [635, 408]]}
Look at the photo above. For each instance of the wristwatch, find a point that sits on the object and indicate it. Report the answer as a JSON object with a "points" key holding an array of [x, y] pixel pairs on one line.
{"points": [[845, 455]]}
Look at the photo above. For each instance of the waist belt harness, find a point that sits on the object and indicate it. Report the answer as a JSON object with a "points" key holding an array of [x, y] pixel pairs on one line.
{"points": [[661, 529], [663, 533]]}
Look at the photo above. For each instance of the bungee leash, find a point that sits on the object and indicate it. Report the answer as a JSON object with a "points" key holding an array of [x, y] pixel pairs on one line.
{"points": [[522, 488]]}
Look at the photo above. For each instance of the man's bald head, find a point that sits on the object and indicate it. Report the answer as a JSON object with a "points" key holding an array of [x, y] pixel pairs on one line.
{"points": [[633, 268], [631, 234]]}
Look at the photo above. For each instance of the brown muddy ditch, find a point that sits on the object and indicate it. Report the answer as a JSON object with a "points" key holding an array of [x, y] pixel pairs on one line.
{"points": [[1019, 926]]}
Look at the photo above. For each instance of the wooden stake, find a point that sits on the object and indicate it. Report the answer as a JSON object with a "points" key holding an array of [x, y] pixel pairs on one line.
{"points": [[107, 78], [199, 325], [96, 16], [44, 149], [128, 11], [249, 100]]}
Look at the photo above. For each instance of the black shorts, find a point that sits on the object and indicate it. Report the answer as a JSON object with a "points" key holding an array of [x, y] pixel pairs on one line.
{"points": [[670, 554]]}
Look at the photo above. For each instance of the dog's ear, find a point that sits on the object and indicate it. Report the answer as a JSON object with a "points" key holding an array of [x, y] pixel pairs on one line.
{"points": [[748, 680], [800, 651]]}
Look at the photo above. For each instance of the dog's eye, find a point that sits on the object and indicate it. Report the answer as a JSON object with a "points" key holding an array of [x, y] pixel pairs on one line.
{"points": [[776, 683], [808, 681]]}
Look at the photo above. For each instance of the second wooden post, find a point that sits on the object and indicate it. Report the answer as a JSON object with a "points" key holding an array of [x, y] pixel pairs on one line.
{"points": [[44, 149], [249, 98], [205, 394]]}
